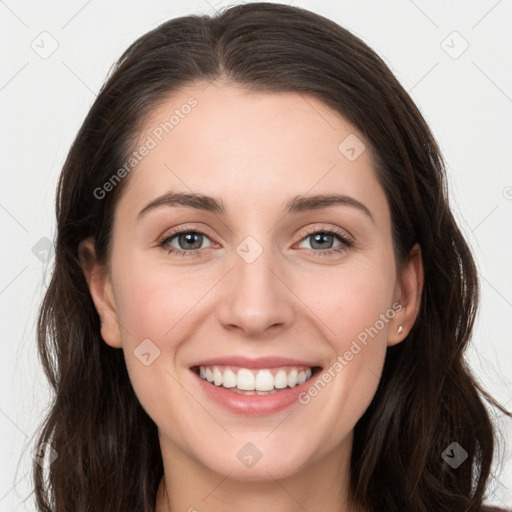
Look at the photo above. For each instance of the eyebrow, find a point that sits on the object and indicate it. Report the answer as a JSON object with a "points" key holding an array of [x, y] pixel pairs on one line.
{"points": [[296, 204]]}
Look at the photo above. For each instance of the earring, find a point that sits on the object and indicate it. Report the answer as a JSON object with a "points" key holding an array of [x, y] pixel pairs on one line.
{"points": [[400, 330]]}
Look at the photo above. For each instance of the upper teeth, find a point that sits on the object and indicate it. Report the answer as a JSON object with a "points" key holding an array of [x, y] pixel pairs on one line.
{"points": [[251, 380]]}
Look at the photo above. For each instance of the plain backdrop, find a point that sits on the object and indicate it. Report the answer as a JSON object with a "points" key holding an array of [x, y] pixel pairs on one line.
{"points": [[452, 57]]}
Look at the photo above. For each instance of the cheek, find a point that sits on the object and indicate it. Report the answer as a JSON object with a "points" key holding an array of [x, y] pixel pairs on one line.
{"points": [[152, 306], [355, 309], [153, 301], [154, 315], [352, 300]]}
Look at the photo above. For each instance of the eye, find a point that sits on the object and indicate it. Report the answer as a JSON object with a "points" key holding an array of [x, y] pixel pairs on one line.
{"points": [[324, 238], [189, 242]]}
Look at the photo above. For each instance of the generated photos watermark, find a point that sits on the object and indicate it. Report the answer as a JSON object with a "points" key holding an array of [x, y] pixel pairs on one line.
{"points": [[343, 360], [151, 142]]}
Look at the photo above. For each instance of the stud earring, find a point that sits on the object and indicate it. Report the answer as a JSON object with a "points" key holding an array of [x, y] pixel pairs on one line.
{"points": [[400, 330]]}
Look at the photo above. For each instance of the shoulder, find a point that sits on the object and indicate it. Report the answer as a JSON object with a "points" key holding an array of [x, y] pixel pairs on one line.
{"points": [[494, 509]]}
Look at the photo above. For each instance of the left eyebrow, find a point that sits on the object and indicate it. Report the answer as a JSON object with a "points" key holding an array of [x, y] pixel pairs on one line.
{"points": [[296, 204], [303, 203]]}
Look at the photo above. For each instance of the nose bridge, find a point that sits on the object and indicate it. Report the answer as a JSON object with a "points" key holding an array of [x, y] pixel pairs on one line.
{"points": [[253, 261], [256, 298]]}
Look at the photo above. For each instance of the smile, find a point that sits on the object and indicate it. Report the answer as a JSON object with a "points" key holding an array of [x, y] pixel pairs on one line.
{"points": [[246, 381]]}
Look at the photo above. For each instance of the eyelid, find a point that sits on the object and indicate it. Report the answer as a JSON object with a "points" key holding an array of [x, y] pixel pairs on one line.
{"points": [[343, 233], [184, 228]]}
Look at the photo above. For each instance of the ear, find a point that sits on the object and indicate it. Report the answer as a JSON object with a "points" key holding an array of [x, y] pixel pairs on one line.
{"points": [[100, 286], [408, 292]]}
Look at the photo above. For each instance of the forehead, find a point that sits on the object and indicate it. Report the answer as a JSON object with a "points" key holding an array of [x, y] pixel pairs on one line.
{"points": [[250, 148]]}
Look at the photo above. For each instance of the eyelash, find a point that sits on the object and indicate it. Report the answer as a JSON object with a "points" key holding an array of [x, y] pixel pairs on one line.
{"points": [[346, 242]]}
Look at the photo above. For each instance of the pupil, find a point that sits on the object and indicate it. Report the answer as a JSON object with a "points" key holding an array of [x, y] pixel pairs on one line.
{"points": [[318, 237], [189, 239]]}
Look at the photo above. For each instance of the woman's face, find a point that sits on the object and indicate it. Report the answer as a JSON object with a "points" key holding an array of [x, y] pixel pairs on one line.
{"points": [[255, 288]]}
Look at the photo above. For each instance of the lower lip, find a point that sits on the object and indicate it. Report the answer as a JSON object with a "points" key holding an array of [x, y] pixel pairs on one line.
{"points": [[254, 405]]}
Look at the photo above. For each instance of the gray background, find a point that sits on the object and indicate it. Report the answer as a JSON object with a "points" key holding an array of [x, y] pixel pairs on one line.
{"points": [[464, 93]]}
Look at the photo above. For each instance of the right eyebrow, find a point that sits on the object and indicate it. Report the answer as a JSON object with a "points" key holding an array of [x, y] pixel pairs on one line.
{"points": [[192, 200]]}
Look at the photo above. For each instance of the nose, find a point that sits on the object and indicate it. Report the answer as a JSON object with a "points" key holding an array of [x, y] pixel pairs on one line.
{"points": [[256, 299]]}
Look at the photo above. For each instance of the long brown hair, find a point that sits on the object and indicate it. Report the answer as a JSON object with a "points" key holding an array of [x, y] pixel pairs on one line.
{"points": [[108, 450]]}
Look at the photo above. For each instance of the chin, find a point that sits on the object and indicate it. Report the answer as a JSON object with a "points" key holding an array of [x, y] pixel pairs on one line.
{"points": [[251, 461]]}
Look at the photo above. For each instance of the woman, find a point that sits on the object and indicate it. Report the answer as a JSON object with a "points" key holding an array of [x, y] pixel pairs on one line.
{"points": [[255, 369]]}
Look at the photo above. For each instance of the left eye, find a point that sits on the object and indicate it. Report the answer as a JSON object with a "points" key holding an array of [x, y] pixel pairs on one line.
{"points": [[320, 239]]}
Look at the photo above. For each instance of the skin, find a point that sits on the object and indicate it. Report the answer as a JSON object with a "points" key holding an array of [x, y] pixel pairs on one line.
{"points": [[255, 151]]}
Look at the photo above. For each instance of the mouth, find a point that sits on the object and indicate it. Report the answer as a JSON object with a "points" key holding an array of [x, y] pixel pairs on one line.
{"points": [[255, 381]]}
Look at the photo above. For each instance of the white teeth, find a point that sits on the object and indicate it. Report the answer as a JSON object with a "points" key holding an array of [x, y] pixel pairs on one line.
{"points": [[217, 376], [264, 381], [292, 378], [259, 382], [229, 379], [281, 379], [245, 380]]}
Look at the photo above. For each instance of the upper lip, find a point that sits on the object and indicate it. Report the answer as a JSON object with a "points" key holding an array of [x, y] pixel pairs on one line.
{"points": [[258, 362]]}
